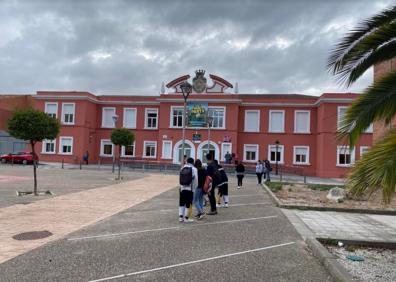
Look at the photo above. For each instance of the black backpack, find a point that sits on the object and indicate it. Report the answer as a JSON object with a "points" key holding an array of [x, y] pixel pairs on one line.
{"points": [[186, 176]]}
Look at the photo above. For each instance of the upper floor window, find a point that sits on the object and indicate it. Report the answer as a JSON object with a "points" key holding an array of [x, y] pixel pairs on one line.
{"points": [[177, 117], [217, 117], [151, 121], [277, 121], [301, 155], [51, 109], [345, 157], [275, 153], [302, 122], [48, 147], [66, 145], [129, 118], [108, 115], [252, 120], [68, 113], [341, 111]]}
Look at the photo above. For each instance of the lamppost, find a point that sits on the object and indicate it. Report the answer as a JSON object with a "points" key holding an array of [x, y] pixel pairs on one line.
{"points": [[276, 156], [115, 118], [186, 89], [210, 121]]}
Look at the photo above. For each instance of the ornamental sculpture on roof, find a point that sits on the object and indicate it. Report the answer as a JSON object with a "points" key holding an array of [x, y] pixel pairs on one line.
{"points": [[199, 81]]}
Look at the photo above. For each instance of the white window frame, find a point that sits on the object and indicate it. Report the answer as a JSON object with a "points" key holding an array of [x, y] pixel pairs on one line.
{"points": [[281, 149], [163, 152], [307, 155], [124, 122], [103, 116], [352, 153], [144, 150], [270, 129], [146, 111], [225, 152], [51, 103], [258, 125], [44, 146], [128, 156], [309, 121], [60, 145], [171, 116], [102, 143], [224, 116], [339, 108], [369, 129], [257, 153], [362, 148], [63, 114]]}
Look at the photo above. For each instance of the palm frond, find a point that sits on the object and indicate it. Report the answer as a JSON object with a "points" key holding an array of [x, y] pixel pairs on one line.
{"points": [[378, 102], [376, 169]]}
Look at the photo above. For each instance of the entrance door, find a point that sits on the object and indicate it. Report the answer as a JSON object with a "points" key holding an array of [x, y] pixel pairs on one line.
{"points": [[187, 152], [205, 151]]}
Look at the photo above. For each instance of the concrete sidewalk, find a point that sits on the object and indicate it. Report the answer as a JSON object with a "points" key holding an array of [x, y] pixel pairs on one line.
{"points": [[68, 213]]}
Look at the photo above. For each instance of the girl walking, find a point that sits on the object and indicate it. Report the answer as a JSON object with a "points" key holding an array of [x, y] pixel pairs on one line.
{"points": [[240, 173], [259, 172]]}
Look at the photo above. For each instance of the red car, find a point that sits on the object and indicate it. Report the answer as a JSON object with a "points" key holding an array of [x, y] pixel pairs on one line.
{"points": [[20, 157]]}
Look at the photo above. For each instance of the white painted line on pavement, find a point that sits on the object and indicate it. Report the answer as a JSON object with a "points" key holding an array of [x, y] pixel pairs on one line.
{"points": [[245, 195], [190, 262], [169, 228]]}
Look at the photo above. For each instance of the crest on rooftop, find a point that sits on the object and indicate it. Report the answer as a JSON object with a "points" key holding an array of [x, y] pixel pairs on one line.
{"points": [[199, 81]]}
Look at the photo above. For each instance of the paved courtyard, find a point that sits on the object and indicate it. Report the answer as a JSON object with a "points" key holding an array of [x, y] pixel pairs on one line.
{"points": [[136, 237]]}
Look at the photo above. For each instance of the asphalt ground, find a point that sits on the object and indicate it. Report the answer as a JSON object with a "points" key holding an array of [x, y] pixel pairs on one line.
{"points": [[58, 181], [249, 241]]}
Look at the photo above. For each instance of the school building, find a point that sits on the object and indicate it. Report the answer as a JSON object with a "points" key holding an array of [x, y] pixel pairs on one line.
{"points": [[296, 130]]}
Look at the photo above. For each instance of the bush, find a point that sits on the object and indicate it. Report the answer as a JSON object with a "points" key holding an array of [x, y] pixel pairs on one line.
{"points": [[275, 186], [323, 187]]}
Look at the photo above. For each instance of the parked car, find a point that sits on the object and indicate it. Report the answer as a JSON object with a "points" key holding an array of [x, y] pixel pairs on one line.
{"points": [[20, 157]]}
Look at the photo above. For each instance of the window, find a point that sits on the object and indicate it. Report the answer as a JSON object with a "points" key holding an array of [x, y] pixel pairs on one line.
{"points": [[250, 152], [176, 117], [151, 119], [345, 157], [128, 151], [275, 153], [364, 149], [129, 118], [302, 122], [252, 121], [167, 149], [66, 145], [51, 109], [217, 115], [301, 155], [48, 147], [340, 115], [369, 129], [107, 117], [225, 147], [276, 121], [106, 148], [68, 113], [150, 149]]}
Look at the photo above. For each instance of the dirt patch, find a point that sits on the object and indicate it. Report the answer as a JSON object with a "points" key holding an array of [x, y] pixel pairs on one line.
{"points": [[300, 194]]}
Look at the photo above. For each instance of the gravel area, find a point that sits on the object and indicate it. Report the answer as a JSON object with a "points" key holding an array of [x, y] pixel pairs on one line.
{"points": [[378, 265]]}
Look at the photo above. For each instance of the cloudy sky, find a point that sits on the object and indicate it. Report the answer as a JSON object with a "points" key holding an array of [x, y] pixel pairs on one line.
{"points": [[131, 47]]}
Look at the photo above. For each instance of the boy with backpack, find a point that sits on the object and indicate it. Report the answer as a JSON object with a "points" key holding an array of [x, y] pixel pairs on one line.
{"points": [[188, 183], [222, 186]]}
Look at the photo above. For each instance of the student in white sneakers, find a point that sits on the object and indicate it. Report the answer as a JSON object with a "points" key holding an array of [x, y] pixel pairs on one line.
{"points": [[188, 183], [223, 187]]}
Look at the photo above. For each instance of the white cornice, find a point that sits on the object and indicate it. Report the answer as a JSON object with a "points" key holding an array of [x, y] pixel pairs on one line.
{"points": [[276, 104], [176, 100], [96, 101]]}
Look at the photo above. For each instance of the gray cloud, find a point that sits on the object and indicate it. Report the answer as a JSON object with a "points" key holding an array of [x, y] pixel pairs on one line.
{"points": [[130, 47]]}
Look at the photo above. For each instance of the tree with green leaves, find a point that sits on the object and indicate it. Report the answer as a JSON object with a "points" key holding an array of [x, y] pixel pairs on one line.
{"points": [[121, 137], [33, 126], [373, 41]]}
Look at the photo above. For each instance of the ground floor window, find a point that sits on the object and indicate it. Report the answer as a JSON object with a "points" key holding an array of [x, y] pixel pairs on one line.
{"points": [[128, 151], [150, 149], [275, 153], [167, 149], [48, 147], [106, 148], [301, 155], [66, 145], [250, 152], [345, 157]]}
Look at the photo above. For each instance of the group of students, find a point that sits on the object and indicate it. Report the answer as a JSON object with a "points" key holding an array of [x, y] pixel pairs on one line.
{"points": [[196, 182], [263, 168]]}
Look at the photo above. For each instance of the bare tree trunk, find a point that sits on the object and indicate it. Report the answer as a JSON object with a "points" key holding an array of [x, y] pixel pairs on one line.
{"points": [[34, 168], [119, 162]]}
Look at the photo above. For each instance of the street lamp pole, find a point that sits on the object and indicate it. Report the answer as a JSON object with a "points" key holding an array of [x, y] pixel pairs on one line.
{"points": [[186, 89], [276, 156], [210, 119], [115, 118]]}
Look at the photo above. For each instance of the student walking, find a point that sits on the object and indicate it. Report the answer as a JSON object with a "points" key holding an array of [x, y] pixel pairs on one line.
{"points": [[211, 170], [240, 173], [188, 183], [198, 193], [223, 187], [259, 172], [267, 170]]}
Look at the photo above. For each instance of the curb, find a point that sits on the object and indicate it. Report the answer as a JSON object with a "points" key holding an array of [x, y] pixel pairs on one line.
{"points": [[361, 243], [316, 208]]}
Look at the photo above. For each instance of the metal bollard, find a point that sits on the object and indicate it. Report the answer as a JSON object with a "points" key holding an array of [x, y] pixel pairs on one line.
{"points": [[305, 179], [63, 163], [80, 165]]}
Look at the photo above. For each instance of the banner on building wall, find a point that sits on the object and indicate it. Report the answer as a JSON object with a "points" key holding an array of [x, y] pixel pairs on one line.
{"points": [[197, 114]]}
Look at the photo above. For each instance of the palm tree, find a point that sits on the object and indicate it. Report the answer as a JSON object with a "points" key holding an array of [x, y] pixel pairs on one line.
{"points": [[373, 41]]}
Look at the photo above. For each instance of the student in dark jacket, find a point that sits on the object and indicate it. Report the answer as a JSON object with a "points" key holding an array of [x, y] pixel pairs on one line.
{"points": [[223, 188], [211, 170], [240, 173], [198, 193]]}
